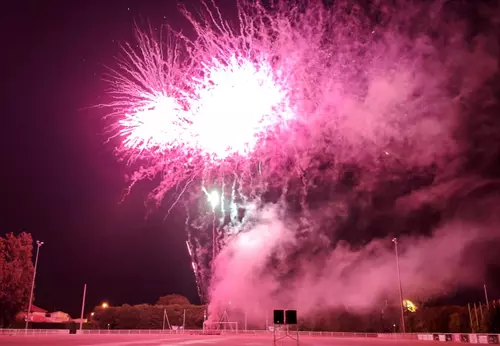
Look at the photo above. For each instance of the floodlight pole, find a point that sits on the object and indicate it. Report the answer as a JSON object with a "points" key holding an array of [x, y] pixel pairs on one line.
{"points": [[470, 319], [165, 317], [164, 312], [246, 321], [486, 297], [403, 329], [184, 322], [83, 305], [38, 243]]}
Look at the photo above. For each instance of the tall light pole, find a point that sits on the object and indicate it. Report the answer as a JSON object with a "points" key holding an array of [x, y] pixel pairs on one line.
{"points": [[165, 316], [83, 305], [486, 297], [184, 322], [403, 329], [38, 243]]}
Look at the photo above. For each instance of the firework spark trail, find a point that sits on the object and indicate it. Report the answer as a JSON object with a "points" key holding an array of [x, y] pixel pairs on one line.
{"points": [[194, 266], [195, 256]]}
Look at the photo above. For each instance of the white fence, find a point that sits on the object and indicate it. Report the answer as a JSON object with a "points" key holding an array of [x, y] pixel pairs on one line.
{"points": [[33, 331], [138, 331]]}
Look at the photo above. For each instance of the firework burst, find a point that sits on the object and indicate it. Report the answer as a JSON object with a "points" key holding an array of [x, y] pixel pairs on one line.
{"points": [[276, 107]]}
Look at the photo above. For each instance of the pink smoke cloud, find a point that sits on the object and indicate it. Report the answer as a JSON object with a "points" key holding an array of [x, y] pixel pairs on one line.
{"points": [[248, 275]]}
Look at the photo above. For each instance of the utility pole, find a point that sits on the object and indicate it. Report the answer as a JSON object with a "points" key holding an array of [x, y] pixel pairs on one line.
{"points": [[184, 321], [403, 329], [38, 243], [165, 317], [470, 318], [486, 297], [164, 312], [83, 305], [481, 311], [477, 319]]}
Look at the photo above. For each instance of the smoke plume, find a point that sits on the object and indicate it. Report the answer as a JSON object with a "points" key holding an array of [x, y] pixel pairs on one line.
{"points": [[409, 149]]}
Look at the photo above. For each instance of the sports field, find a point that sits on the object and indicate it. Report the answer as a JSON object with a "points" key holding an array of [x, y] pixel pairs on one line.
{"points": [[194, 340]]}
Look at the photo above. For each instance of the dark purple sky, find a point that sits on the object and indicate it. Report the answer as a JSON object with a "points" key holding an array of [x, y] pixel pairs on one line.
{"points": [[60, 182]]}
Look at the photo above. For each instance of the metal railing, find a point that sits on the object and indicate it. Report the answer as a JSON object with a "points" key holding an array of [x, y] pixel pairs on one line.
{"points": [[138, 331], [33, 331]]}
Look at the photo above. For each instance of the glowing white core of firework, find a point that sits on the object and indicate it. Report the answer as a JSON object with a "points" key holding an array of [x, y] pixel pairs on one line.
{"points": [[214, 199], [236, 102]]}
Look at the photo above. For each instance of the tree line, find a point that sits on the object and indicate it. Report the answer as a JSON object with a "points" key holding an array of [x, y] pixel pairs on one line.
{"points": [[16, 272], [439, 319], [169, 311]]}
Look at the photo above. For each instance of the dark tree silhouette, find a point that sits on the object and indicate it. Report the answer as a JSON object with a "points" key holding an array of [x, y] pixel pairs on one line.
{"points": [[16, 273]]}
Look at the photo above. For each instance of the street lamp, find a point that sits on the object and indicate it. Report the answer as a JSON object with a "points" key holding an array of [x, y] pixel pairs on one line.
{"points": [[38, 243], [409, 305], [395, 241], [104, 305]]}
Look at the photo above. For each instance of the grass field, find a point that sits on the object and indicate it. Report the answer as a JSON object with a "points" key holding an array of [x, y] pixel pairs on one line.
{"points": [[194, 340]]}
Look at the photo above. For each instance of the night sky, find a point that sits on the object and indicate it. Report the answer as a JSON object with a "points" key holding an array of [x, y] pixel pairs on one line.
{"points": [[60, 181]]}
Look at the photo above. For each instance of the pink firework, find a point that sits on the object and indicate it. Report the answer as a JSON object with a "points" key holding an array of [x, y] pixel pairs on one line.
{"points": [[219, 118], [212, 113], [278, 89], [189, 118], [149, 107]]}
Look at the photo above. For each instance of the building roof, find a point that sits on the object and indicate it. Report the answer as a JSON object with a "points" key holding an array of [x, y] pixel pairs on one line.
{"points": [[59, 313], [35, 308]]}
